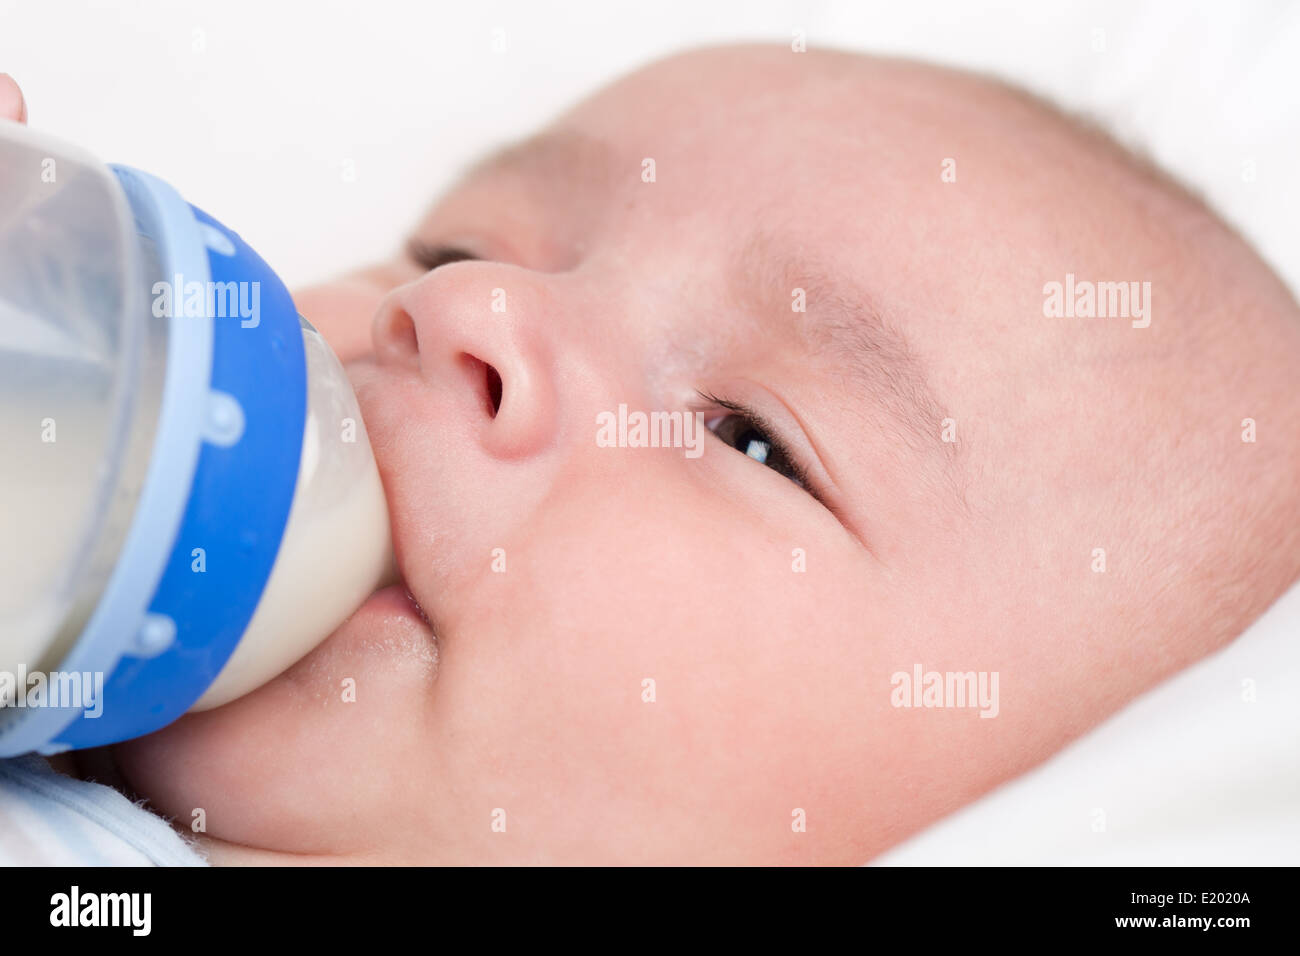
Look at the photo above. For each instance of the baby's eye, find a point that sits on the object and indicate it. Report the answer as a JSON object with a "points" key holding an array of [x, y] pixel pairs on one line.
{"points": [[746, 433], [430, 257]]}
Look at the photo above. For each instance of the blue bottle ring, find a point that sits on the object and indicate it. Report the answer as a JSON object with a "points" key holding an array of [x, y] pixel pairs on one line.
{"points": [[216, 498]]}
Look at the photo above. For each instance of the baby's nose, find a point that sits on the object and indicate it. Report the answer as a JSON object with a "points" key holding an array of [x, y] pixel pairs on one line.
{"points": [[475, 332]]}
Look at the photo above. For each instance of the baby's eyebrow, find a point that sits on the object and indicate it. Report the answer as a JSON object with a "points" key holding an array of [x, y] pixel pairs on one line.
{"points": [[842, 320]]}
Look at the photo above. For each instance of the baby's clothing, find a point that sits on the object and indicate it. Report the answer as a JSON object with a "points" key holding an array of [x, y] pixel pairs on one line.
{"points": [[50, 819]]}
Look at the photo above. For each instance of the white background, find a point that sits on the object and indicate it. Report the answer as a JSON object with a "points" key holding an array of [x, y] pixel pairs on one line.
{"points": [[254, 109]]}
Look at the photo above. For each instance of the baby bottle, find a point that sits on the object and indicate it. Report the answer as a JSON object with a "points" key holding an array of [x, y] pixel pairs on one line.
{"points": [[188, 498]]}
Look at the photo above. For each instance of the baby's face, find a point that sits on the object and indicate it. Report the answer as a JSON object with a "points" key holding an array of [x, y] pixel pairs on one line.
{"points": [[674, 654]]}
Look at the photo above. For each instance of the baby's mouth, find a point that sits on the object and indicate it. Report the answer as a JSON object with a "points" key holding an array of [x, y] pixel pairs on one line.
{"points": [[391, 621], [396, 581], [415, 606], [394, 593]]}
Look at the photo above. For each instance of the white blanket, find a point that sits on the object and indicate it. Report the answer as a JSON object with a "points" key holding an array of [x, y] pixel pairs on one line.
{"points": [[48, 819], [1203, 770]]}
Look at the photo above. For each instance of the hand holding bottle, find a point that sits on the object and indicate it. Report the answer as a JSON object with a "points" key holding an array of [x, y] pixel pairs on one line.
{"points": [[12, 105]]}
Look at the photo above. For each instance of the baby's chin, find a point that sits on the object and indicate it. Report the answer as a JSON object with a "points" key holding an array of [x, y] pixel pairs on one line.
{"points": [[285, 766]]}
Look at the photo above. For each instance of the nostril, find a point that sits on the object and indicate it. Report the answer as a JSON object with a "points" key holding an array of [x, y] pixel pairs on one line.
{"points": [[488, 382], [396, 335], [494, 390]]}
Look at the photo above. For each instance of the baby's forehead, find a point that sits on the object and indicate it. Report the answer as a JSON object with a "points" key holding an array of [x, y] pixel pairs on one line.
{"points": [[847, 118]]}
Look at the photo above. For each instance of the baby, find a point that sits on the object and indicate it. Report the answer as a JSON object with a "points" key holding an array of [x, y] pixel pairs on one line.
{"points": [[1004, 431]]}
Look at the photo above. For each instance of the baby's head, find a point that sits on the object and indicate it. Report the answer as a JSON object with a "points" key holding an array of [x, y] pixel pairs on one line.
{"points": [[688, 654]]}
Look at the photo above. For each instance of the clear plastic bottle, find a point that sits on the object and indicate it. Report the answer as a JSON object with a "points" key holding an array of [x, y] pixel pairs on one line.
{"points": [[336, 549], [188, 500]]}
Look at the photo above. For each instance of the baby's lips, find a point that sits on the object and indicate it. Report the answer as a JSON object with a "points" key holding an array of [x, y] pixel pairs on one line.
{"points": [[12, 104]]}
